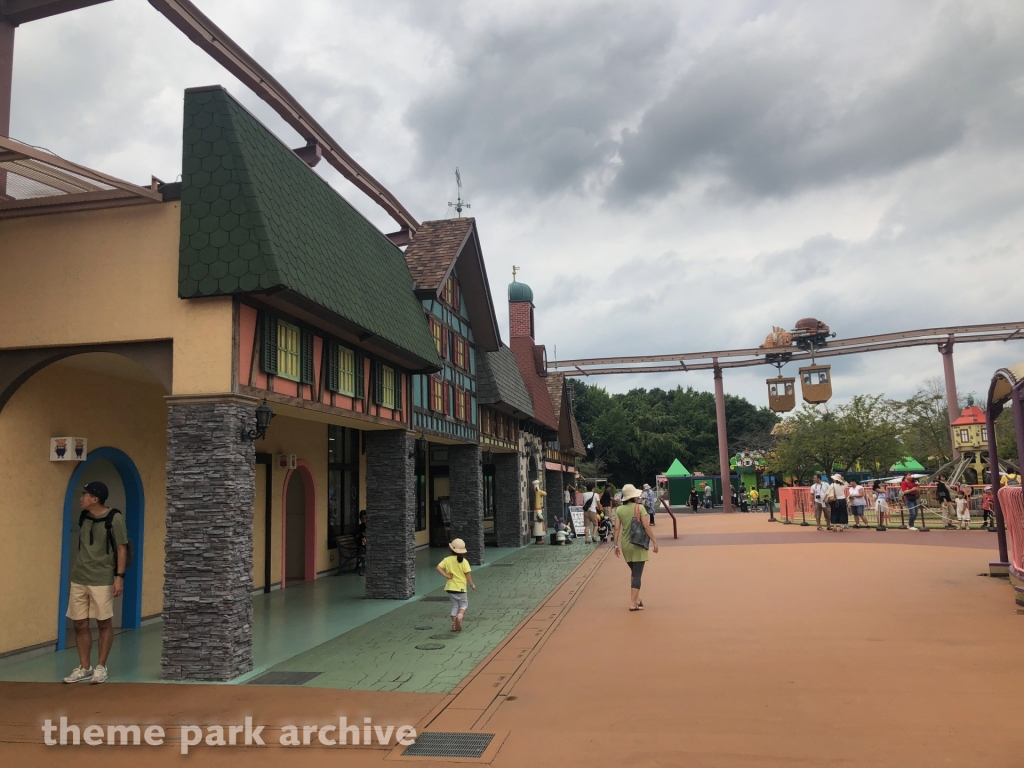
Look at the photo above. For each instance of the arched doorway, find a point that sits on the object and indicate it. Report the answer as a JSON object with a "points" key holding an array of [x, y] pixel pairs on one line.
{"points": [[298, 526], [118, 471]]}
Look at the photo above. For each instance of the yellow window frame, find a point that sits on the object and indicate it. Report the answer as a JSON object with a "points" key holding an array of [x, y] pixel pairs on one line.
{"points": [[289, 351], [346, 371], [387, 389]]}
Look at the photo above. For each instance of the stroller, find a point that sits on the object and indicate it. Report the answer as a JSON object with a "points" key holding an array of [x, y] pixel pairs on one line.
{"points": [[604, 528]]}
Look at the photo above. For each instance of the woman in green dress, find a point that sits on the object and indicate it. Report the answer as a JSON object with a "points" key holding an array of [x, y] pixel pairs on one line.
{"points": [[635, 556]]}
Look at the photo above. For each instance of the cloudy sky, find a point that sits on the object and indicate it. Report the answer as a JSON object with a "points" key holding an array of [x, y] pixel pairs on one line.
{"points": [[671, 177]]}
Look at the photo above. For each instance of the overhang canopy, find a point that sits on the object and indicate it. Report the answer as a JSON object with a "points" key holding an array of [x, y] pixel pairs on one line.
{"points": [[34, 182]]}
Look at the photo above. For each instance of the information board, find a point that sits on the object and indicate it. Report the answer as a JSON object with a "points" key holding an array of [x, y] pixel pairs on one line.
{"points": [[578, 526]]}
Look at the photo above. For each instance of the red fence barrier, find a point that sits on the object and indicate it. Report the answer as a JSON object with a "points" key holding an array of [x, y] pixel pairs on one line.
{"points": [[1011, 501], [796, 505]]}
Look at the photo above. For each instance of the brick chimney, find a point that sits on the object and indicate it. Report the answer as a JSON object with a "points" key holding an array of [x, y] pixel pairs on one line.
{"points": [[520, 310]]}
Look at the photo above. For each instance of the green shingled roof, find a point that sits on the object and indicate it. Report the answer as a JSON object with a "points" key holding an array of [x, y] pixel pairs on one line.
{"points": [[498, 381], [255, 217]]}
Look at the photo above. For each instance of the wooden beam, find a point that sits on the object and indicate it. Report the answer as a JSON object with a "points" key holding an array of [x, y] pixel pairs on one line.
{"points": [[203, 32], [23, 11]]}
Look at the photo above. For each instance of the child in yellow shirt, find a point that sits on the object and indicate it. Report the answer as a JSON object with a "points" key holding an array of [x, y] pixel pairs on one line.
{"points": [[456, 569]]}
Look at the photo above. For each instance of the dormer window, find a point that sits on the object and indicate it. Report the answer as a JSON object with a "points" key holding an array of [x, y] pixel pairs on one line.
{"points": [[450, 294]]}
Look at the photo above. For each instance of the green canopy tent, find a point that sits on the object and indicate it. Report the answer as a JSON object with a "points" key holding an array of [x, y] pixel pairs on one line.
{"points": [[679, 482], [908, 464]]}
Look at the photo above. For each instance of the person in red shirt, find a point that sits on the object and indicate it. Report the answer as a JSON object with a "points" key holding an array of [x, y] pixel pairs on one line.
{"points": [[910, 487], [988, 516]]}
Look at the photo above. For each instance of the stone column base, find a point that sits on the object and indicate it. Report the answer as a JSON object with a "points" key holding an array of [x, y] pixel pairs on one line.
{"points": [[211, 487], [390, 515], [508, 489]]}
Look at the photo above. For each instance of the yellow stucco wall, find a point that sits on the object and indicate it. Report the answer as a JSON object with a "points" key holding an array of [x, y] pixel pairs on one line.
{"points": [[128, 414], [111, 276], [308, 441]]}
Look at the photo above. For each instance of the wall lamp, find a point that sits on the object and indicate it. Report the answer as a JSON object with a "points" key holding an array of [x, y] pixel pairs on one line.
{"points": [[420, 446], [263, 416], [487, 457]]}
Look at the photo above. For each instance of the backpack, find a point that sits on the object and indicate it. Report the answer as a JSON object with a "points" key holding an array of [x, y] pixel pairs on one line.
{"points": [[108, 523], [590, 502]]}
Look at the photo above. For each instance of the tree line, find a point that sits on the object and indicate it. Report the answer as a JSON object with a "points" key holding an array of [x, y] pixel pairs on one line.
{"points": [[633, 437]]}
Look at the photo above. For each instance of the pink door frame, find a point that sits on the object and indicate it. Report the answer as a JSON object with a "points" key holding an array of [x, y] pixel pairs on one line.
{"points": [[304, 471]]}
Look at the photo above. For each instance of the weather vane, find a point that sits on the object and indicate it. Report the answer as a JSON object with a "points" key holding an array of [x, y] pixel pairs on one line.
{"points": [[459, 203]]}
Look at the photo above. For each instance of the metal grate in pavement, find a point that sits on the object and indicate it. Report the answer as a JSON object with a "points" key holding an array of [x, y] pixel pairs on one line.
{"points": [[449, 745], [502, 565], [283, 678]]}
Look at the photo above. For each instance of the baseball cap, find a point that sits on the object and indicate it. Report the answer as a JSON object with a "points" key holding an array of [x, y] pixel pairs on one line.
{"points": [[97, 489]]}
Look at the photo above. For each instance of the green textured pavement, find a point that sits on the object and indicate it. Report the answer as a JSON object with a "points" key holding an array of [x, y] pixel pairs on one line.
{"points": [[285, 623], [383, 654]]}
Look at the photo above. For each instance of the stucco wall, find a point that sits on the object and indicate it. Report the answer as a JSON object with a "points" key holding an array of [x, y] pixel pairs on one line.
{"points": [[308, 441], [63, 399], [111, 276]]}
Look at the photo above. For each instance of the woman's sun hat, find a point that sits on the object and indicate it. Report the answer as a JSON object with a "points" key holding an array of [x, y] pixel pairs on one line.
{"points": [[630, 492], [458, 546], [838, 478]]}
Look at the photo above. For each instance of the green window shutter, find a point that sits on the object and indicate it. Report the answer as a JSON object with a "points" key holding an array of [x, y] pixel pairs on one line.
{"points": [[306, 363], [378, 383], [332, 366], [398, 391], [360, 384], [269, 344]]}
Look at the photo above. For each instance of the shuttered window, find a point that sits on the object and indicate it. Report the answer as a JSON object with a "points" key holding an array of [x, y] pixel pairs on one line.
{"points": [[460, 404], [289, 351], [387, 387], [360, 383], [435, 331], [269, 344], [436, 395], [306, 366], [346, 371]]}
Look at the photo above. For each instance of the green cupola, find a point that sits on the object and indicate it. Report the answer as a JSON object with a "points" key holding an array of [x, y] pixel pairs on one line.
{"points": [[519, 292]]}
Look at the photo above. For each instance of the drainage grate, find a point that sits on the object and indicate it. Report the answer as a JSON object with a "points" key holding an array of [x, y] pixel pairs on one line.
{"points": [[435, 599], [284, 678], [430, 647], [502, 565], [443, 637], [422, 628], [449, 745]]}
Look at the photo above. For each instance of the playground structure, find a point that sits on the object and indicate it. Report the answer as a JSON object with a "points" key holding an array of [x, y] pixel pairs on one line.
{"points": [[1007, 388], [970, 438]]}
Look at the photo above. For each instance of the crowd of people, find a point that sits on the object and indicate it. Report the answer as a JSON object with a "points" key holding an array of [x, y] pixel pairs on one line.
{"points": [[836, 501]]}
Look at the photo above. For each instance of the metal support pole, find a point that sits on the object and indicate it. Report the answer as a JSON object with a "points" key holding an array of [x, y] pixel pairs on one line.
{"points": [[952, 404], [723, 443], [996, 568], [6, 86]]}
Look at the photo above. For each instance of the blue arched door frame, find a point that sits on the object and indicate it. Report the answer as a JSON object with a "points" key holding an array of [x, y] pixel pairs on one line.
{"points": [[134, 518]]}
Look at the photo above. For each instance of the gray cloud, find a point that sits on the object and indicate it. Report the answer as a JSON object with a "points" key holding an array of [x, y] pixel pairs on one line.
{"points": [[533, 103], [765, 119]]}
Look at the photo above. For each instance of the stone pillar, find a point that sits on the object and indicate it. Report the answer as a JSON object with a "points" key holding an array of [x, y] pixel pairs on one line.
{"points": [[390, 515], [508, 489], [554, 502], [211, 488], [467, 499]]}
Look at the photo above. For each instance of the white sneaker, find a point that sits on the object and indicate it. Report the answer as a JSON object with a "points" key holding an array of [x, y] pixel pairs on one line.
{"points": [[80, 675], [99, 675], [911, 528]]}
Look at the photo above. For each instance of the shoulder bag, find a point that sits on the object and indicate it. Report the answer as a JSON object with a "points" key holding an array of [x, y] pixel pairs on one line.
{"points": [[637, 533]]}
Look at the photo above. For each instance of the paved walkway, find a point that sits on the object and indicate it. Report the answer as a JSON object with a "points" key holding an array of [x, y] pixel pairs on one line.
{"points": [[413, 649], [840, 652]]}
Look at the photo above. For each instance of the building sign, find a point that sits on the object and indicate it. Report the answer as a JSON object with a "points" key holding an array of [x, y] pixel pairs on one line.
{"points": [[287, 461], [69, 449]]}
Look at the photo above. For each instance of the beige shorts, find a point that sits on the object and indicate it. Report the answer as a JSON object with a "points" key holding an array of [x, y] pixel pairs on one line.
{"points": [[90, 602]]}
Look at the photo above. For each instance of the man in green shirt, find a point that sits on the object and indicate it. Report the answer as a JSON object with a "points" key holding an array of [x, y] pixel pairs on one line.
{"points": [[96, 579]]}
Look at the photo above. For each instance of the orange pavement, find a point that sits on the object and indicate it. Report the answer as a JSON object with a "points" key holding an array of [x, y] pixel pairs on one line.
{"points": [[847, 652]]}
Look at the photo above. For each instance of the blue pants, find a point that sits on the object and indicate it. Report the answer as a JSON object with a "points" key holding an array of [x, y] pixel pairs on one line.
{"points": [[911, 509]]}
